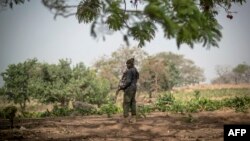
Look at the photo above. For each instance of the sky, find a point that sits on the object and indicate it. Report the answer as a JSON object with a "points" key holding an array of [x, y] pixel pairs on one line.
{"points": [[29, 31]]}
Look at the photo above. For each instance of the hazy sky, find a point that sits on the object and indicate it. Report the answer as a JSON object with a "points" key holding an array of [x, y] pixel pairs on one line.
{"points": [[30, 31]]}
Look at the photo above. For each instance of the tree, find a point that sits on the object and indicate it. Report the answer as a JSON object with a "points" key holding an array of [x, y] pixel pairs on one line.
{"points": [[242, 73], [88, 87], [53, 83], [227, 75], [16, 86], [153, 70], [61, 83], [163, 71], [112, 68], [188, 21], [188, 71], [224, 75]]}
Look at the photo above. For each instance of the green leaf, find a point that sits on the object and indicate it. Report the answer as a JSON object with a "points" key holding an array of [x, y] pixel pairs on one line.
{"points": [[88, 10]]}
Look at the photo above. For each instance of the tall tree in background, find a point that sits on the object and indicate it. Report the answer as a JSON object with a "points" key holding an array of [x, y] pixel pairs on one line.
{"points": [[242, 73], [52, 85], [112, 68], [238, 74], [189, 72], [159, 72], [188, 21], [163, 71]]}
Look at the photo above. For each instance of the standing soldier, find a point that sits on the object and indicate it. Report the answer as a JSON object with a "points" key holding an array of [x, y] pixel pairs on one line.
{"points": [[129, 87]]}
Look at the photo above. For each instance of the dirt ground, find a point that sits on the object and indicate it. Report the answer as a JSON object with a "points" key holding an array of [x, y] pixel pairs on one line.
{"points": [[156, 126]]}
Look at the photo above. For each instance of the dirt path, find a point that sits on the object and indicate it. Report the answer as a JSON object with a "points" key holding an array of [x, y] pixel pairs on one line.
{"points": [[157, 126]]}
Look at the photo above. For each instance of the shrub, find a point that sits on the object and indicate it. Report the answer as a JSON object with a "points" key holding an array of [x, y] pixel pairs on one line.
{"points": [[164, 102], [57, 112], [84, 108], [240, 104], [9, 112], [61, 111], [142, 110], [109, 109]]}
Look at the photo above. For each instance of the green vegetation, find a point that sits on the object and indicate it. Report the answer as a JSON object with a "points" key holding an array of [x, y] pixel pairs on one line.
{"points": [[9, 113], [109, 109], [199, 101], [187, 21], [73, 90], [180, 102], [143, 110]]}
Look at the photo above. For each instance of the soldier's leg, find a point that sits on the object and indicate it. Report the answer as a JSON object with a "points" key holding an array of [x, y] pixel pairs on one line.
{"points": [[133, 104], [126, 104]]}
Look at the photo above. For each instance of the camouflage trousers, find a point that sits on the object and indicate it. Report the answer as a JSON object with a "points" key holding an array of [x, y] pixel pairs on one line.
{"points": [[129, 102]]}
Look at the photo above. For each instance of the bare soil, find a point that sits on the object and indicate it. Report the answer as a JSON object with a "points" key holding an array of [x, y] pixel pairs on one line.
{"points": [[156, 126]]}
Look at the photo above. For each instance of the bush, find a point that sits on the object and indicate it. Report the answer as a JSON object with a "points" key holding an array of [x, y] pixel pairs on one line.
{"points": [[142, 110], [61, 111], [47, 113], [85, 112], [84, 108], [178, 107], [57, 112], [109, 109], [240, 104], [31, 114], [9, 112], [164, 102], [168, 103]]}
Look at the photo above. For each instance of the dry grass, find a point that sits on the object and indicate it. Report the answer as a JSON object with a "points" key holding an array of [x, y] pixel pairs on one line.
{"points": [[190, 88]]}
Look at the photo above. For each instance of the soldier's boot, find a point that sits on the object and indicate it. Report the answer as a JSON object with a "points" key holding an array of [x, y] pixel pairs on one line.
{"points": [[133, 119]]}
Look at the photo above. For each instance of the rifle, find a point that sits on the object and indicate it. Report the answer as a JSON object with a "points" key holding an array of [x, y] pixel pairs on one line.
{"points": [[121, 82]]}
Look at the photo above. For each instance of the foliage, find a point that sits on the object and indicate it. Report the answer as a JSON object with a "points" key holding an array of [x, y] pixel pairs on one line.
{"points": [[242, 73], [111, 68], [9, 112], [142, 110], [84, 108], [109, 109], [61, 111], [240, 104], [53, 83], [11, 3], [164, 101], [57, 112], [92, 89], [163, 71], [238, 74], [17, 80], [188, 21], [60, 83], [197, 104]]}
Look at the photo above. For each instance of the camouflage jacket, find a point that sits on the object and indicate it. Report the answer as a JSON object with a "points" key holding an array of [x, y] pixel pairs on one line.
{"points": [[129, 79]]}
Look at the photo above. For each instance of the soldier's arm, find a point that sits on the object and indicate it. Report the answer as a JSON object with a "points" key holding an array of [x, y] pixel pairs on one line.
{"points": [[128, 80]]}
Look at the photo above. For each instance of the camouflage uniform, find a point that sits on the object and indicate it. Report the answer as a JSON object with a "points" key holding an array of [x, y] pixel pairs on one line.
{"points": [[129, 87]]}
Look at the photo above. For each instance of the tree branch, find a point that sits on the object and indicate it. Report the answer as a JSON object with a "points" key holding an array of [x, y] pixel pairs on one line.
{"points": [[64, 15]]}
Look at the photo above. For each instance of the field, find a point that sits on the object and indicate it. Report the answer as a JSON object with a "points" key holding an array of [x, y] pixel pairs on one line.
{"points": [[173, 124]]}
